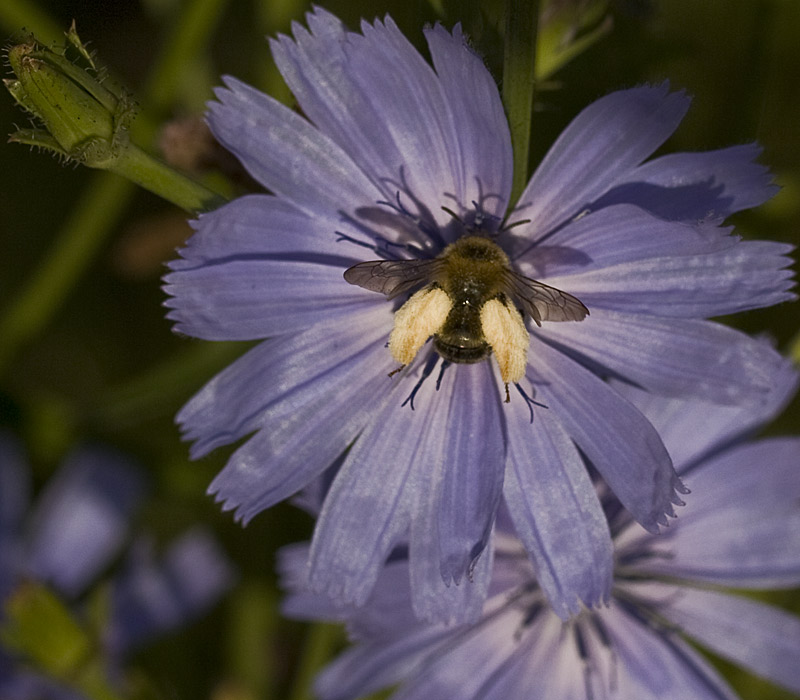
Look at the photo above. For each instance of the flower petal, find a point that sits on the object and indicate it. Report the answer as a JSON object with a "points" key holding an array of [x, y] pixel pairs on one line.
{"points": [[289, 371], [367, 668], [474, 460], [151, 596], [611, 236], [481, 127], [600, 147], [433, 599], [670, 356], [81, 519], [556, 512], [614, 436], [260, 225], [298, 440], [748, 275], [435, 596], [471, 658], [741, 524], [692, 429], [288, 155], [710, 185], [380, 101], [258, 298], [654, 665], [763, 639], [371, 502]]}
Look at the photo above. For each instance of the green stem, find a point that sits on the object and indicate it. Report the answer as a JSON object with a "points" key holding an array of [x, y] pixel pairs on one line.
{"points": [[321, 641], [157, 177], [191, 31], [106, 199], [519, 79]]}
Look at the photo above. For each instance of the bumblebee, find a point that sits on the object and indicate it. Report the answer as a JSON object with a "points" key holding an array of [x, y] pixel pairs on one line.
{"points": [[467, 305]]}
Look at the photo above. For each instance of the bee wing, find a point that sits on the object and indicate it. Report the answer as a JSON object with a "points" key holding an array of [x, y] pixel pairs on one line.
{"points": [[543, 302], [391, 277]]}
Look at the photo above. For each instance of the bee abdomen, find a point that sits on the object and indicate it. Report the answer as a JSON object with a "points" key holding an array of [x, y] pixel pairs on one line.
{"points": [[460, 339], [461, 354]]}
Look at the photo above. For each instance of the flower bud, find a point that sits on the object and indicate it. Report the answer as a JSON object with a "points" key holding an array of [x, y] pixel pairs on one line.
{"points": [[82, 119]]}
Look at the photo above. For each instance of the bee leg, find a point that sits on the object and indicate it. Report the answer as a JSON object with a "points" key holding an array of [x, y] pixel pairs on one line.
{"points": [[395, 371], [508, 395]]}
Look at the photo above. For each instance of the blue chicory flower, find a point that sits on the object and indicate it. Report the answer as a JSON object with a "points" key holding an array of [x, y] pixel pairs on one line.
{"points": [[78, 525], [396, 160], [740, 528]]}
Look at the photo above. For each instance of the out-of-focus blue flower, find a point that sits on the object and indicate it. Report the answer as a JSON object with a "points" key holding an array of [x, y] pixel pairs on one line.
{"points": [[387, 142], [79, 524], [740, 528]]}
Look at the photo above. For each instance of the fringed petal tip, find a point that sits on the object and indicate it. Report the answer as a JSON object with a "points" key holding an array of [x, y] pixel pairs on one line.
{"points": [[241, 515], [664, 519], [569, 609]]}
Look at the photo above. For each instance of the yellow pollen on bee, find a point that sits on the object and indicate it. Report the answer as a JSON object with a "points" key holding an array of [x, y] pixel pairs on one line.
{"points": [[416, 321], [505, 332]]}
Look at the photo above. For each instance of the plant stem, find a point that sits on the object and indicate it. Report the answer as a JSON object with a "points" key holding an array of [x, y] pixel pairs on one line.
{"points": [[519, 81], [319, 645], [157, 177], [107, 196]]}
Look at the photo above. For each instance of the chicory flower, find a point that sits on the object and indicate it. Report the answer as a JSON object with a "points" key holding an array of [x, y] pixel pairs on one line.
{"points": [[394, 160]]}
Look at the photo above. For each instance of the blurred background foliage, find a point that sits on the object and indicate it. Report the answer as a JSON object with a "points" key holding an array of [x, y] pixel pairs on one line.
{"points": [[98, 362]]}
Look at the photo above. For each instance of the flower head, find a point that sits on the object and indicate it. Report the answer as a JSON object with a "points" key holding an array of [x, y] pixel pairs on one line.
{"points": [[394, 161], [740, 527]]}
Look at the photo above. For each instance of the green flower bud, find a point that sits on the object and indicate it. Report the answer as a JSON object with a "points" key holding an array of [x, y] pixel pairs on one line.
{"points": [[39, 626], [82, 119]]}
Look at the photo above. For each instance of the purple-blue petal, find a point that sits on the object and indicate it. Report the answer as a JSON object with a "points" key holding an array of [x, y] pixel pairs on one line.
{"points": [[475, 459], [462, 667], [741, 523], [611, 432], [81, 519], [409, 99], [367, 668], [376, 97], [691, 428], [373, 498], [655, 664], [368, 93], [763, 639], [481, 127], [556, 512], [261, 226], [298, 440], [618, 234], [431, 599], [710, 185], [688, 357], [259, 297], [151, 597], [287, 155], [273, 380], [748, 275], [598, 149]]}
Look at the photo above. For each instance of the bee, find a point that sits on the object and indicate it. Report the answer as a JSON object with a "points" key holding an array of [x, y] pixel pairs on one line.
{"points": [[467, 305]]}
